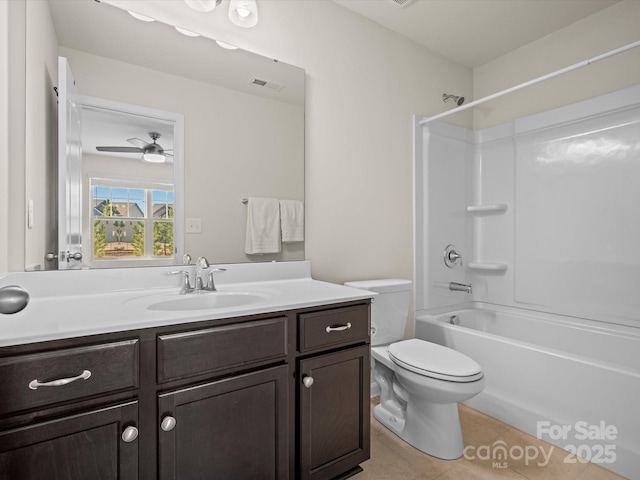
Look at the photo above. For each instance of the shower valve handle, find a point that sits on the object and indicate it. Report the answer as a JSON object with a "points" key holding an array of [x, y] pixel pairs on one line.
{"points": [[451, 256]]}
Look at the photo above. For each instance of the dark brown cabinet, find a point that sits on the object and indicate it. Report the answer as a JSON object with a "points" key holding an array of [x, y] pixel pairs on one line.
{"points": [[221, 348], [217, 399], [230, 429], [334, 413], [83, 371], [87, 445], [333, 392]]}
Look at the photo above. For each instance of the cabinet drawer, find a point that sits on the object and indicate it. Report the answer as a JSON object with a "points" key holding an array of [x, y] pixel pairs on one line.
{"points": [[328, 328], [198, 352], [110, 367]]}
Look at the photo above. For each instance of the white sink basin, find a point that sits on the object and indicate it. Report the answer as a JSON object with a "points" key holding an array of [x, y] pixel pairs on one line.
{"points": [[204, 301]]}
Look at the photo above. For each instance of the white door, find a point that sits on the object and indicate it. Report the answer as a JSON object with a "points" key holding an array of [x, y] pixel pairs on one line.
{"points": [[69, 170]]}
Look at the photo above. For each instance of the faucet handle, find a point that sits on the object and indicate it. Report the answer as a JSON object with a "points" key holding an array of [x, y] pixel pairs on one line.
{"points": [[186, 282], [211, 286], [186, 259], [452, 256]]}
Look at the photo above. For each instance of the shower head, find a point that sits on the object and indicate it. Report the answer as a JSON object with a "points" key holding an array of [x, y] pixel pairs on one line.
{"points": [[458, 100]]}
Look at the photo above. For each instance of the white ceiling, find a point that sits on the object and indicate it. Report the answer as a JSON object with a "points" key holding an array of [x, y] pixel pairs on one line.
{"points": [[474, 32]]}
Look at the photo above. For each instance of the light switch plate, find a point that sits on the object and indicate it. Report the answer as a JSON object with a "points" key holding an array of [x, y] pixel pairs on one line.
{"points": [[194, 225], [30, 214]]}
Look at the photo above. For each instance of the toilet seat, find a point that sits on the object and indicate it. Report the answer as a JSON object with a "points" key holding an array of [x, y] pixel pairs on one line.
{"points": [[435, 361]]}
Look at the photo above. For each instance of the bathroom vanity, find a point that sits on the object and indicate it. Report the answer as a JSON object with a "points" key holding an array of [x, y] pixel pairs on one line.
{"points": [[234, 392]]}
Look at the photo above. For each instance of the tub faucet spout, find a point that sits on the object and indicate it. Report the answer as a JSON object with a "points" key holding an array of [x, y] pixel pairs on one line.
{"points": [[459, 287]]}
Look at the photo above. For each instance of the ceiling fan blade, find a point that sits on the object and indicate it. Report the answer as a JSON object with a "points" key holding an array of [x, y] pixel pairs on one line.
{"points": [[119, 149], [167, 154], [138, 143]]}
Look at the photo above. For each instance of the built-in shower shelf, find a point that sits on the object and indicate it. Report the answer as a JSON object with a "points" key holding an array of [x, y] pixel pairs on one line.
{"points": [[488, 266], [492, 209]]}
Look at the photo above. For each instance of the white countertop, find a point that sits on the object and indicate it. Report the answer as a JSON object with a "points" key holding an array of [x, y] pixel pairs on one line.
{"points": [[60, 312]]}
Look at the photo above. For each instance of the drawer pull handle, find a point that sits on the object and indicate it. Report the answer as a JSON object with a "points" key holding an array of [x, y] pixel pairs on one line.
{"points": [[129, 434], [34, 384], [338, 328], [168, 423], [307, 381]]}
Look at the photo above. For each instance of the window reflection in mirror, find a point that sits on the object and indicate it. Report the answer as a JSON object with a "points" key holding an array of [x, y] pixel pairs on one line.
{"points": [[131, 223]]}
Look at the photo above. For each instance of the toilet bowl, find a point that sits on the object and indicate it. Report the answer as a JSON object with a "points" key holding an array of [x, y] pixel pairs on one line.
{"points": [[420, 385], [420, 382]]}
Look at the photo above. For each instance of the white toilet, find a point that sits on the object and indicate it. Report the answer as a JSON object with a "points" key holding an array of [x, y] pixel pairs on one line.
{"points": [[420, 382]]}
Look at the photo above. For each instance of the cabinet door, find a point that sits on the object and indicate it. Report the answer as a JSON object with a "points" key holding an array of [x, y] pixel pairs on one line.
{"points": [[236, 428], [334, 413], [79, 447]]}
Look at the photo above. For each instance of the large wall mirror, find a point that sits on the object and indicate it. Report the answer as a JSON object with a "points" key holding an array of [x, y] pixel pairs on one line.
{"points": [[230, 124]]}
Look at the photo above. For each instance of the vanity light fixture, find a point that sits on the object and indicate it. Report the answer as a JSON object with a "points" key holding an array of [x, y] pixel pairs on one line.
{"points": [[243, 13], [141, 17], [186, 32], [226, 45], [203, 5]]}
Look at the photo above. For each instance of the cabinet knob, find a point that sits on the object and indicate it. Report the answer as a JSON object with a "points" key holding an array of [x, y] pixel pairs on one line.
{"points": [[168, 423], [307, 381], [130, 434]]}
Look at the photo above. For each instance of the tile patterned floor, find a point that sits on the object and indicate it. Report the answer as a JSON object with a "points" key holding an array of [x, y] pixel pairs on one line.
{"points": [[392, 459]]}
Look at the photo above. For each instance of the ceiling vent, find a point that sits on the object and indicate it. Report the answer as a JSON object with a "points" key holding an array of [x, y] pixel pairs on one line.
{"points": [[401, 3], [266, 84]]}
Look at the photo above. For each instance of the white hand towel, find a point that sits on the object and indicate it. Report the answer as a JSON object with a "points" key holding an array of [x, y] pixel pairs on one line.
{"points": [[292, 219], [263, 226]]}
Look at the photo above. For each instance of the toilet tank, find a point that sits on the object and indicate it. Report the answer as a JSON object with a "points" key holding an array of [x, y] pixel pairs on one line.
{"points": [[389, 309]]}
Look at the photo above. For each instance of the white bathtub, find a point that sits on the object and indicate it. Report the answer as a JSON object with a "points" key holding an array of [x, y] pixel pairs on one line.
{"points": [[557, 370]]}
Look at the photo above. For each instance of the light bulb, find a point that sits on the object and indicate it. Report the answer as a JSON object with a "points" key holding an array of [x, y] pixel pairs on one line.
{"points": [[202, 5], [226, 45], [243, 12], [186, 32], [141, 17]]}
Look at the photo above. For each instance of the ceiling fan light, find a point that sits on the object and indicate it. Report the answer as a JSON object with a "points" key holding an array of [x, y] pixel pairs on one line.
{"points": [[141, 17], [243, 13], [226, 45], [154, 158], [203, 5], [186, 32]]}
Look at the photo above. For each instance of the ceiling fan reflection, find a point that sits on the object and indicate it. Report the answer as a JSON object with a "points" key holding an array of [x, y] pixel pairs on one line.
{"points": [[151, 152]]}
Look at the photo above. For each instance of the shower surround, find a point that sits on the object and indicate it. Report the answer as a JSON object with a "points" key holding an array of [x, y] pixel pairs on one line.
{"points": [[544, 211]]}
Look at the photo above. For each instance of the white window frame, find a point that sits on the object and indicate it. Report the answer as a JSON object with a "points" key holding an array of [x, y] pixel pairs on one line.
{"points": [[177, 119], [134, 184]]}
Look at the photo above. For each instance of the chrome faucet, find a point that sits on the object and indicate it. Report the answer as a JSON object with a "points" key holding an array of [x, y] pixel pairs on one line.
{"points": [[201, 265], [460, 287], [201, 285], [185, 286]]}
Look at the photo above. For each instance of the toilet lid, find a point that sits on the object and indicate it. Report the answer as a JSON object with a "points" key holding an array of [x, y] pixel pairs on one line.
{"points": [[433, 360]]}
